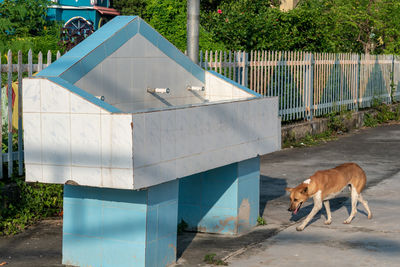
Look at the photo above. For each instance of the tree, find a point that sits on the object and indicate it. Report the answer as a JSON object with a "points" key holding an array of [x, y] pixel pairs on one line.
{"points": [[388, 38], [131, 7], [168, 17], [359, 26], [23, 26], [259, 24], [363, 26], [23, 17]]}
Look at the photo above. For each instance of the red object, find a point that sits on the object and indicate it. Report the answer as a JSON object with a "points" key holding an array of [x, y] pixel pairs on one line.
{"points": [[219, 11], [13, 94], [106, 10]]}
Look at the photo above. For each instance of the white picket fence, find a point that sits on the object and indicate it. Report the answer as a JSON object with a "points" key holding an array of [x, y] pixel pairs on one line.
{"points": [[311, 84], [13, 134], [307, 84]]}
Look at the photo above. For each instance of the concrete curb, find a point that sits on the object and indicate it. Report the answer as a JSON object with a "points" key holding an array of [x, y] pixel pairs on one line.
{"points": [[351, 121]]}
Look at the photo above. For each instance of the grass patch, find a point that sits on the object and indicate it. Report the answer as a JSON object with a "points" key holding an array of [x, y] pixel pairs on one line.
{"points": [[311, 140], [210, 259], [261, 221], [383, 113]]}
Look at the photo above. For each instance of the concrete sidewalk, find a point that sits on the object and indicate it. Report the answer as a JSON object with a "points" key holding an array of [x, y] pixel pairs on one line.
{"points": [[364, 242], [376, 150]]}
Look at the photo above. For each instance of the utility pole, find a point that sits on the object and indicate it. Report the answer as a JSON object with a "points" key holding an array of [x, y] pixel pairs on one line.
{"points": [[193, 21]]}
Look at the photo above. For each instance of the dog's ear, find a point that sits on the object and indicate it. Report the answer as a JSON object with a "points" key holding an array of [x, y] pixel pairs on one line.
{"points": [[289, 189], [305, 190]]}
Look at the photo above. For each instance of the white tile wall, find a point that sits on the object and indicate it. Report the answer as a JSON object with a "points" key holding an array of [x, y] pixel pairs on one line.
{"points": [[31, 92], [154, 174], [106, 178], [33, 172], [218, 89], [56, 174], [138, 46], [239, 93], [56, 139], [145, 176], [212, 136], [82, 142], [106, 127], [121, 178], [185, 166], [139, 140], [86, 175], [54, 98], [218, 86], [117, 178], [121, 141], [152, 132], [168, 135], [267, 145], [33, 140], [81, 105], [86, 140]]}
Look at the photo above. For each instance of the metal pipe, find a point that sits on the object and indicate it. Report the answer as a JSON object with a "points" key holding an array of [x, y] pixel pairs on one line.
{"points": [[195, 88], [158, 90], [193, 21]]}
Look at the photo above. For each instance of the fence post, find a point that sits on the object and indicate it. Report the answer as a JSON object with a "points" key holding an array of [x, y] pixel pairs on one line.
{"points": [[358, 81], [392, 87], [30, 64], [246, 70], [40, 61], [20, 152], [48, 58], [201, 59], [9, 90], [1, 125], [312, 64]]}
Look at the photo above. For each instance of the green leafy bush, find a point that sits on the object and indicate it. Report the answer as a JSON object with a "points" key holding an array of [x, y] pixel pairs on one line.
{"points": [[370, 120], [33, 202], [314, 25]]}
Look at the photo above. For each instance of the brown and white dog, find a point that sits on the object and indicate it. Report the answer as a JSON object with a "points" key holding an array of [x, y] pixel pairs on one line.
{"points": [[325, 185]]}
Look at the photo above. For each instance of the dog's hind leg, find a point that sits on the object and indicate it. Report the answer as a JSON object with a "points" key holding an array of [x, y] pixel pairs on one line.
{"points": [[328, 212], [315, 209], [365, 204], [354, 199]]}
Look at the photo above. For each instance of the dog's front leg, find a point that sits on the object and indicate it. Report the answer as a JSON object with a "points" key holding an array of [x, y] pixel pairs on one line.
{"points": [[316, 208], [328, 212]]}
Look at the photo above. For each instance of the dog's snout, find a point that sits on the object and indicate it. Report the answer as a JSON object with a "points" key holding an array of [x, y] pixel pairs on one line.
{"points": [[289, 209]]}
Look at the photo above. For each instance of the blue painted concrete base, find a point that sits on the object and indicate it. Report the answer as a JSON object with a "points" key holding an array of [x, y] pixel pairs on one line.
{"points": [[223, 200], [111, 227]]}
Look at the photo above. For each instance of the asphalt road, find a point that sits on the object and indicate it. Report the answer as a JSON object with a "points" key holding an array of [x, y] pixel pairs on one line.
{"points": [[376, 150]]}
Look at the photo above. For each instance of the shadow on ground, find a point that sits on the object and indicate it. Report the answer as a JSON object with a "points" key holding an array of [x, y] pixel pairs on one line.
{"points": [[270, 188], [335, 205]]}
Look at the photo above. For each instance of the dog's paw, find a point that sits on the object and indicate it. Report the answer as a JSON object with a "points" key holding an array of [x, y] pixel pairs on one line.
{"points": [[300, 228], [370, 216], [347, 221], [328, 222]]}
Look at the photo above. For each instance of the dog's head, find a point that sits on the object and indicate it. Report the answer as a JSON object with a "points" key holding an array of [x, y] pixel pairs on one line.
{"points": [[298, 196]]}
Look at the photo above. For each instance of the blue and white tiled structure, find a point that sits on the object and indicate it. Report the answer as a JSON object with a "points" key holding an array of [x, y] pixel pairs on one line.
{"points": [[141, 162]]}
